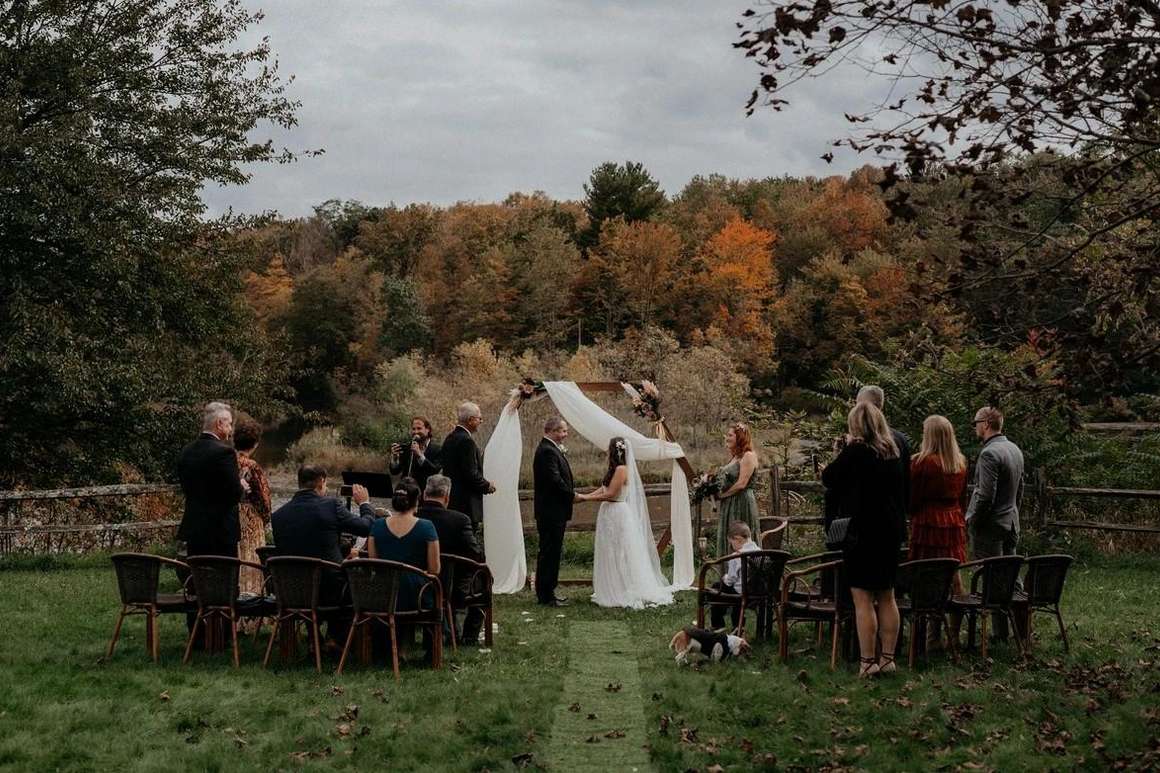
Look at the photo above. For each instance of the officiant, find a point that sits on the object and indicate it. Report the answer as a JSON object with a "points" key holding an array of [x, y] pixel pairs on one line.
{"points": [[554, 497]]}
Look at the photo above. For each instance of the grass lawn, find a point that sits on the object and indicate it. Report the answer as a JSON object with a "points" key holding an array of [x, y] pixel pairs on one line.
{"points": [[576, 688]]}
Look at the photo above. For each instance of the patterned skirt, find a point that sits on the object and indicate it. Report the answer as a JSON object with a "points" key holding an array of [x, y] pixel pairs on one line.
{"points": [[938, 532]]}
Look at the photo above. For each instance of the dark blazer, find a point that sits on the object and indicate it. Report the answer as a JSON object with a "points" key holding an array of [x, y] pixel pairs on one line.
{"points": [[463, 463], [311, 524], [903, 443], [869, 490], [554, 490], [420, 470], [454, 529], [210, 479], [998, 487]]}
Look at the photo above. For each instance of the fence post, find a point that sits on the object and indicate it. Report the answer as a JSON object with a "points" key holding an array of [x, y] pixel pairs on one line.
{"points": [[774, 491]]}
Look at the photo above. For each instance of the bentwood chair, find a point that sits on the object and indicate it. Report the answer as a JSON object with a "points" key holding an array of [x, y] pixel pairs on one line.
{"points": [[215, 581], [1042, 590], [924, 591], [817, 594], [761, 572], [138, 582], [297, 582], [999, 578], [467, 585]]}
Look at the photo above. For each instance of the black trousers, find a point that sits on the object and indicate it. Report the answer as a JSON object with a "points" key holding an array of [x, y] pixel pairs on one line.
{"points": [[717, 611], [548, 559]]}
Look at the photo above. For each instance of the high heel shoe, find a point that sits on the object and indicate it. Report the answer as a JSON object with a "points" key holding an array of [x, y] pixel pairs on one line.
{"points": [[868, 668], [886, 665]]}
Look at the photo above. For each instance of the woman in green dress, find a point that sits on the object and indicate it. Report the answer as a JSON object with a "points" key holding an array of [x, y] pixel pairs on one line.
{"points": [[737, 502]]}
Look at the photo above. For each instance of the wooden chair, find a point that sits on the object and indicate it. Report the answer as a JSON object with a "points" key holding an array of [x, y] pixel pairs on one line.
{"points": [[999, 577], [265, 553], [215, 581], [924, 590], [374, 591], [475, 579], [138, 582], [825, 599], [772, 533], [297, 582], [761, 572], [1042, 590]]}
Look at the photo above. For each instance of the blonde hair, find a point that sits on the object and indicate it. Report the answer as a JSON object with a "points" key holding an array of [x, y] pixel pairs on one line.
{"points": [[938, 441], [866, 423]]}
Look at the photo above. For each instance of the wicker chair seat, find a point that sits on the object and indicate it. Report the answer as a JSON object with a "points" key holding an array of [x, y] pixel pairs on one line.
{"points": [[175, 602]]}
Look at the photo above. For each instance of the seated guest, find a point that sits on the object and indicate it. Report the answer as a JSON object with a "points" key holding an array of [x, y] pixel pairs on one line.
{"points": [[456, 537], [311, 524], [740, 541]]}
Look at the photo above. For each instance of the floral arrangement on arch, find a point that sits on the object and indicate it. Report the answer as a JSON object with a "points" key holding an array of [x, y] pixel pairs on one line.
{"points": [[646, 400]]}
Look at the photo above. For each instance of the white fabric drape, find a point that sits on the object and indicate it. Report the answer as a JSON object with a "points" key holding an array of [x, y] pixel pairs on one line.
{"points": [[503, 530], [599, 427]]}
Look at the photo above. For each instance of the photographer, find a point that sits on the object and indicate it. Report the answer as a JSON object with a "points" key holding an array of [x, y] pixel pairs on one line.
{"points": [[418, 456]]}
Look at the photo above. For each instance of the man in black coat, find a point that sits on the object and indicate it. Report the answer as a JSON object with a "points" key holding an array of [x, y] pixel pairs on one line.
{"points": [[212, 485], [311, 524], [420, 458], [463, 463], [873, 394], [457, 538], [554, 497]]}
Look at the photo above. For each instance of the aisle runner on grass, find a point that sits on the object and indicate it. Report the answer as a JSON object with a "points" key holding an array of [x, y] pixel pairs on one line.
{"points": [[599, 723]]}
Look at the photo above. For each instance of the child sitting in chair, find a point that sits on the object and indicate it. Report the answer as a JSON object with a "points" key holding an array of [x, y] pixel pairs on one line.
{"points": [[741, 541]]}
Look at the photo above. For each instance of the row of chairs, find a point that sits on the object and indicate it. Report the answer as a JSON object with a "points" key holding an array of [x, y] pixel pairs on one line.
{"points": [[294, 597], [776, 587]]}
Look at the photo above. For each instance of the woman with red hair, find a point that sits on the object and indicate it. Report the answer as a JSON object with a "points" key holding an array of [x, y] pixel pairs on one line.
{"points": [[737, 502]]}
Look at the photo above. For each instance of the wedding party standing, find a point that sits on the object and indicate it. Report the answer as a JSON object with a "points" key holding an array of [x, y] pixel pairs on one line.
{"points": [[866, 480], [737, 501], [254, 511], [212, 484], [554, 496], [938, 478], [463, 464], [419, 457]]}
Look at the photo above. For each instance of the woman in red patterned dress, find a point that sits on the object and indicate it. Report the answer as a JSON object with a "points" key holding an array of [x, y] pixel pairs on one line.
{"points": [[254, 512]]}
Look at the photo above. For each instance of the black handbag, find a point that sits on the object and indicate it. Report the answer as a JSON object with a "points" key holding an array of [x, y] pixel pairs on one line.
{"points": [[839, 535]]}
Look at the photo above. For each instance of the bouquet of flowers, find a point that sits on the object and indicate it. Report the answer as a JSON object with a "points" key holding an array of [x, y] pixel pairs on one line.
{"points": [[705, 487], [646, 400]]}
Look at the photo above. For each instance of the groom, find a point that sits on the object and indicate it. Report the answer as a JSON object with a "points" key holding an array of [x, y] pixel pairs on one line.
{"points": [[553, 507]]}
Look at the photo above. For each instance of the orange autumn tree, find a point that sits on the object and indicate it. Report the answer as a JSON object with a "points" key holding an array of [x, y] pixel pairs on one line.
{"points": [[269, 293], [849, 211]]}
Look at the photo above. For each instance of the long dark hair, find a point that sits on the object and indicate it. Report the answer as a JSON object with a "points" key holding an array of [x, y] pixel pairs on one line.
{"points": [[405, 497], [617, 454]]}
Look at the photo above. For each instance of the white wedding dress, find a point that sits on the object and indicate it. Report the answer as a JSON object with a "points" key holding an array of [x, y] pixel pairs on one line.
{"points": [[626, 571]]}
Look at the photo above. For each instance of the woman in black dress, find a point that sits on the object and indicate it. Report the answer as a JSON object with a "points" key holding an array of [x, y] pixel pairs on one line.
{"points": [[867, 480]]}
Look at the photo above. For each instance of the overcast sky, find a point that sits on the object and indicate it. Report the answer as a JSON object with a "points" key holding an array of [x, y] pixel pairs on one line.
{"points": [[448, 101]]}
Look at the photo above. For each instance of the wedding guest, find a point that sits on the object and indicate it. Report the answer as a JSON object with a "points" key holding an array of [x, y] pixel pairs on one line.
{"points": [[737, 501], [212, 484], [404, 537], [463, 463], [740, 541], [311, 524], [993, 513], [867, 480], [456, 538], [873, 394], [254, 511], [420, 458]]}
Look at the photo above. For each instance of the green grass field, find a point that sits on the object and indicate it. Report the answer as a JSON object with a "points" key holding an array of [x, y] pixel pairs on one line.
{"points": [[577, 688]]}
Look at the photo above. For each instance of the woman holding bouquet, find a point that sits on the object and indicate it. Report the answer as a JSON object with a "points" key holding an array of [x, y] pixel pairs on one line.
{"points": [[737, 502]]}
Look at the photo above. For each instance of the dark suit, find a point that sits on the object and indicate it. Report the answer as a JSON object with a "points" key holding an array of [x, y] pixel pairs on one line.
{"points": [[419, 469], [210, 479], [457, 538], [554, 495], [463, 463], [311, 525], [903, 443]]}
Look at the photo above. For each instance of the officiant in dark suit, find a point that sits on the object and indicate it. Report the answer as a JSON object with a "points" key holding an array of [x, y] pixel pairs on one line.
{"points": [[554, 497], [212, 484], [463, 464]]}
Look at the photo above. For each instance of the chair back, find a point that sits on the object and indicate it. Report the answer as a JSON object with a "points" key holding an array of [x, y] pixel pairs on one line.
{"points": [[761, 572], [296, 581], [1045, 576], [1000, 577], [928, 582], [137, 577], [215, 580], [374, 584], [265, 553], [773, 532]]}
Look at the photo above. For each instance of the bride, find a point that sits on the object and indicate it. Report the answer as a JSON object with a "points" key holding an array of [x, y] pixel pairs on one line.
{"points": [[626, 571]]}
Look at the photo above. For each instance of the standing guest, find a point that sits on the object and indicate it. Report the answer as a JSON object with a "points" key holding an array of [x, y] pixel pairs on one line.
{"points": [[254, 511], [867, 481], [463, 463], [311, 524], [420, 458], [873, 394], [212, 484], [456, 538], [554, 496], [740, 541], [993, 513], [737, 502], [404, 537]]}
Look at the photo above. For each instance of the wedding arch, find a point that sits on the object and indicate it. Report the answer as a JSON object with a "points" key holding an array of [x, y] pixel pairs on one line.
{"points": [[503, 532]]}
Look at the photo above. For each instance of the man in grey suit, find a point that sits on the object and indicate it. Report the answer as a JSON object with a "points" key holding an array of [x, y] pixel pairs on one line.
{"points": [[993, 513]]}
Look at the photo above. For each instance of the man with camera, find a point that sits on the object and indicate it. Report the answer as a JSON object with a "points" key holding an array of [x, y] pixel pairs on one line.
{"points": [[418, 456]]}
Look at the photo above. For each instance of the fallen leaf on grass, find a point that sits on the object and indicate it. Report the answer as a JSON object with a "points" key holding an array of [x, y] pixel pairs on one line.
{"points": [[656, 696], [666, 720], [714, 768], [591, 739], [614, 734], [164, 696], [592, 716], [349, 714], [688, 735], [378, 693], [904, 702], [841, 701], [337, 690], [746, 746], [613, 687], [343, 729], [575, 707], [767, 760], [523, 760]]}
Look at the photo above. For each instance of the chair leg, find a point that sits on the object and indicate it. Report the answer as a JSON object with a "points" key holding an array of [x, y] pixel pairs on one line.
{"points": [[1012, 620], [192, 636], [394, 648], [451, 624], [782, 638], [1062, 629], [270, 646], [317, 643], [116, 633], [234, 639], [739, 629], [835, 627], [983, 628], [437, 646], [346, 647], [952, 640], [488, 617], [912, 649], [154, 635], [700, 613]]}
